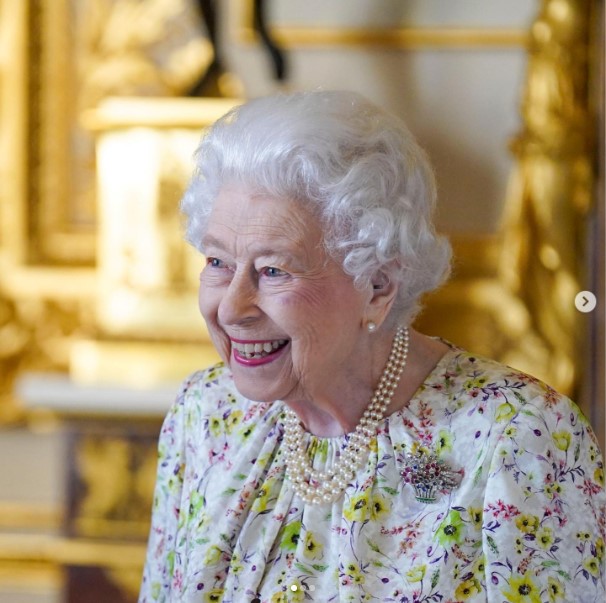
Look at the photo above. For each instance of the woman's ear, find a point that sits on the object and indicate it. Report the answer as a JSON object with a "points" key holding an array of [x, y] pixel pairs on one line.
{"points": [[384, 291]]}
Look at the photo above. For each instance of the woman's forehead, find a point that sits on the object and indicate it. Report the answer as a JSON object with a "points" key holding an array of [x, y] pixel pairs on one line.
{"points": [[269, 221]]}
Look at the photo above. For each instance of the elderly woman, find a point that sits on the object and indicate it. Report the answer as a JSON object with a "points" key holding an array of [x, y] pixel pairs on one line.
{"points": [[337, 454]]}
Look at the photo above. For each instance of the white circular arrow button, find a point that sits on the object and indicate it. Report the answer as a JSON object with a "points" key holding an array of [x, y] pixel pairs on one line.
{"points": [[585, 301]]}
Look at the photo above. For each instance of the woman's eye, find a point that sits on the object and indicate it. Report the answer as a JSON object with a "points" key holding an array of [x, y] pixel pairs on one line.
{"points": [[271, 271], [214, 262]]}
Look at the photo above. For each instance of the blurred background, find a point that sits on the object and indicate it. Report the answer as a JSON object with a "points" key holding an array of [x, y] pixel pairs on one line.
{"points": [[102, 103]]}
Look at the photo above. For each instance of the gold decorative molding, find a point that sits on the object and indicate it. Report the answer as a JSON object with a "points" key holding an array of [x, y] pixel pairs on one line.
{"points": [[38, 578], [74, 552], [29, 516], [14, 56], [158, 113], [405, 38], [62, 222]]}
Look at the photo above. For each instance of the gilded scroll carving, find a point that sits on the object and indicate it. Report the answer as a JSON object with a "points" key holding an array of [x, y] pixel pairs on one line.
{"points": [[551, 188], [129, 47], [35, 335], [114, 472]]}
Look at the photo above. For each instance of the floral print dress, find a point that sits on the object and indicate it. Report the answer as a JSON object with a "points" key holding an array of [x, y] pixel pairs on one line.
{"points": [[525, 524]]}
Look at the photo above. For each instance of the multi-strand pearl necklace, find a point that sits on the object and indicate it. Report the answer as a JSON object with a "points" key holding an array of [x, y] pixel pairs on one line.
{"points": [[318, 487]]}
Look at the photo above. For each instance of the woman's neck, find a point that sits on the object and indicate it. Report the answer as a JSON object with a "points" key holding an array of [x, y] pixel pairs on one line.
{"points": [[339, 412]]}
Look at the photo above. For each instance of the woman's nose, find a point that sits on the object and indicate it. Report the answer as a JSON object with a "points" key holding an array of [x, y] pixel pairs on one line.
{"points": [[239, 302]]}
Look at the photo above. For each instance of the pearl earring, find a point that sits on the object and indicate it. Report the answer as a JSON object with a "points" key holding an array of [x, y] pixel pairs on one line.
{"points": [[371, 326]]}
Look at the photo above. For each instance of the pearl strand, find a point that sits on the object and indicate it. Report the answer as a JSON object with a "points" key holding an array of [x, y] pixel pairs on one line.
{"points": [[316, 487]]}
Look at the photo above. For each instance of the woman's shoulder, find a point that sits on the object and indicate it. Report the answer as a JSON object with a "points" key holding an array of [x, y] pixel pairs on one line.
{"points": [[481, 410], [209, 398], [470, 385], [203, 390], [480, 378], [212, 377], [207, 383]]}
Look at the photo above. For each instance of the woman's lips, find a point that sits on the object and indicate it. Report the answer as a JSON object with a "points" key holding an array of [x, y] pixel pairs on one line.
{"points": [[254, 353]]}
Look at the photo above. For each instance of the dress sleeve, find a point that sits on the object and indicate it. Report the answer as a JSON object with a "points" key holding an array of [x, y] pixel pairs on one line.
{"points": [[544, 508], [157, 574]]}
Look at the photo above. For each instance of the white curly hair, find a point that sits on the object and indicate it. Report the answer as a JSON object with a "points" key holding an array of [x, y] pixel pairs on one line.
{"points": [[355, 165]]}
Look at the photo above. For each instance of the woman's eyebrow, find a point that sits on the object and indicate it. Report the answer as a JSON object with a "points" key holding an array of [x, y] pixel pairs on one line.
{"points": [[208, 240], [277, 250], [273, 251]]}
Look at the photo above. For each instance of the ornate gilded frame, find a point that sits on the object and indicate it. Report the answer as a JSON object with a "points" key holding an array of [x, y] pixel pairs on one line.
{"points": [[50, 224]]}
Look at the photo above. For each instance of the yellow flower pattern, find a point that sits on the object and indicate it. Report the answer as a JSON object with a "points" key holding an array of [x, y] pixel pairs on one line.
{"points": [[545, 538], [527, 523], [562, 439], [366, 506], [416, 574], [313, 546], [214, 596], [556, 590], [522, 589], [468, 589]]}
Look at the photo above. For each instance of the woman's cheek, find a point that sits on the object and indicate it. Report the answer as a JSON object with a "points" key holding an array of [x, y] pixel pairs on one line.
{"points": [[224, 349], [219, 339], [208, 297], [308, 297]]}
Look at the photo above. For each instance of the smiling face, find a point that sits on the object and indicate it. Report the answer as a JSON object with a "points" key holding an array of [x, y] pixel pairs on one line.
{"points": [[283, 314]]}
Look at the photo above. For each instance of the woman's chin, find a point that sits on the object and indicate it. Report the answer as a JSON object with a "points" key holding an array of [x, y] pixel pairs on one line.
{"points": [[254, 385], [252, 390]]}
